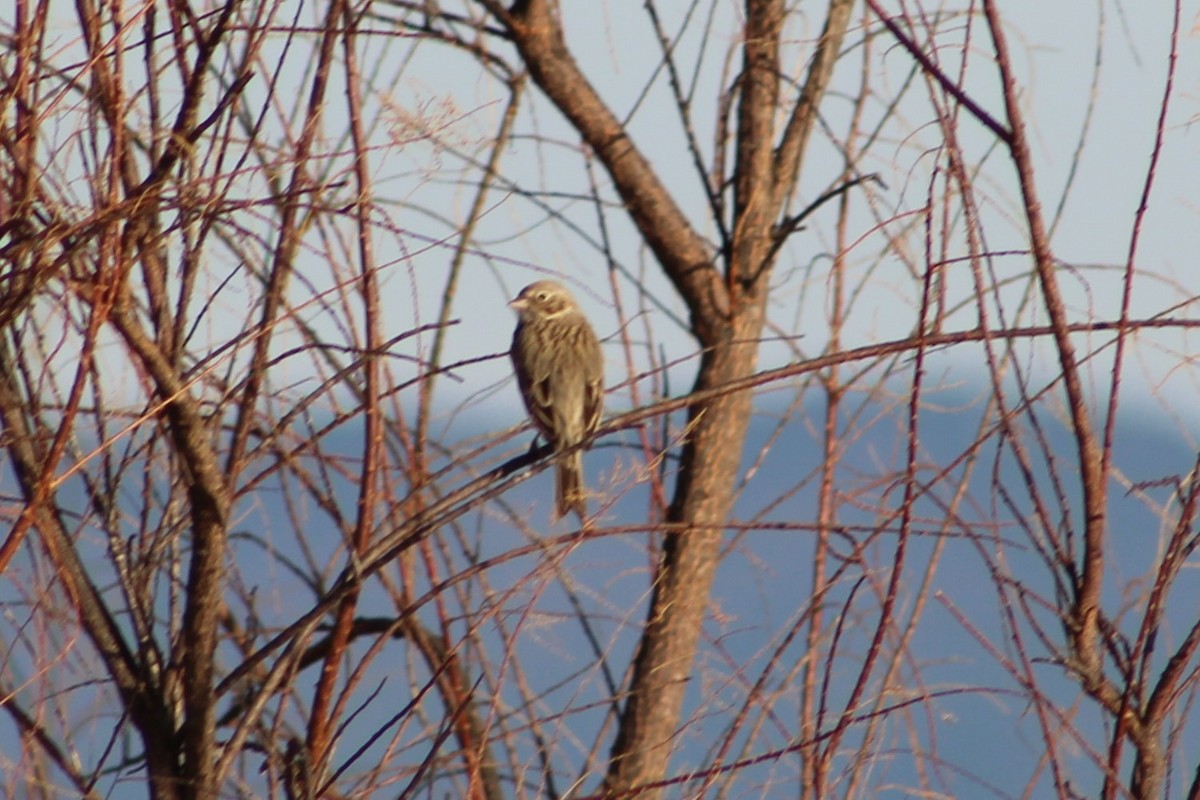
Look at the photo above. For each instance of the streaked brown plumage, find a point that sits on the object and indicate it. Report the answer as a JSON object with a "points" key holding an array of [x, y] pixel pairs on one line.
{"points": [[560, 370]]}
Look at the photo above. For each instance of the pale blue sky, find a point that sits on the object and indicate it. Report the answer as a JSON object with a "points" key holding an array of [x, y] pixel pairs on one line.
{"points": [[1055, 48]]}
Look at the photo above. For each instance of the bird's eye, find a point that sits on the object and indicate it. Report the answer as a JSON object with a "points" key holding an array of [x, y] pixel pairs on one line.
{"points": [[543, 296]]}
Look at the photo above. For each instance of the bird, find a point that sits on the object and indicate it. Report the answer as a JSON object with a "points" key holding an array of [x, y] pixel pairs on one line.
{"points": [[560, 371]]}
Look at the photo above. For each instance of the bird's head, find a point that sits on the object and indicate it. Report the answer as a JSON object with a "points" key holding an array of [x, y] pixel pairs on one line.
{"points": [[544, 300]]}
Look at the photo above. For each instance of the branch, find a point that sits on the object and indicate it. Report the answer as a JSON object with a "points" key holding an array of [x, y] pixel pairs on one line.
{"points": [[791, 148], [683, 254], [1002, 133]]}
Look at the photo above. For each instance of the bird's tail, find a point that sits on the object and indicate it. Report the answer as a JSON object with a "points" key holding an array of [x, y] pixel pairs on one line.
{"points": [[569, 493]]}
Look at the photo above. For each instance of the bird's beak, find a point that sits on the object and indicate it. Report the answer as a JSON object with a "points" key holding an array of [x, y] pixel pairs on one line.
{"points": [[519, 304]]}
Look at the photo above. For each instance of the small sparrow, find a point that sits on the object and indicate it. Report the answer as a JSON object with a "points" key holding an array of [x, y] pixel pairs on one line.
{"points": [[560, 370]]}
